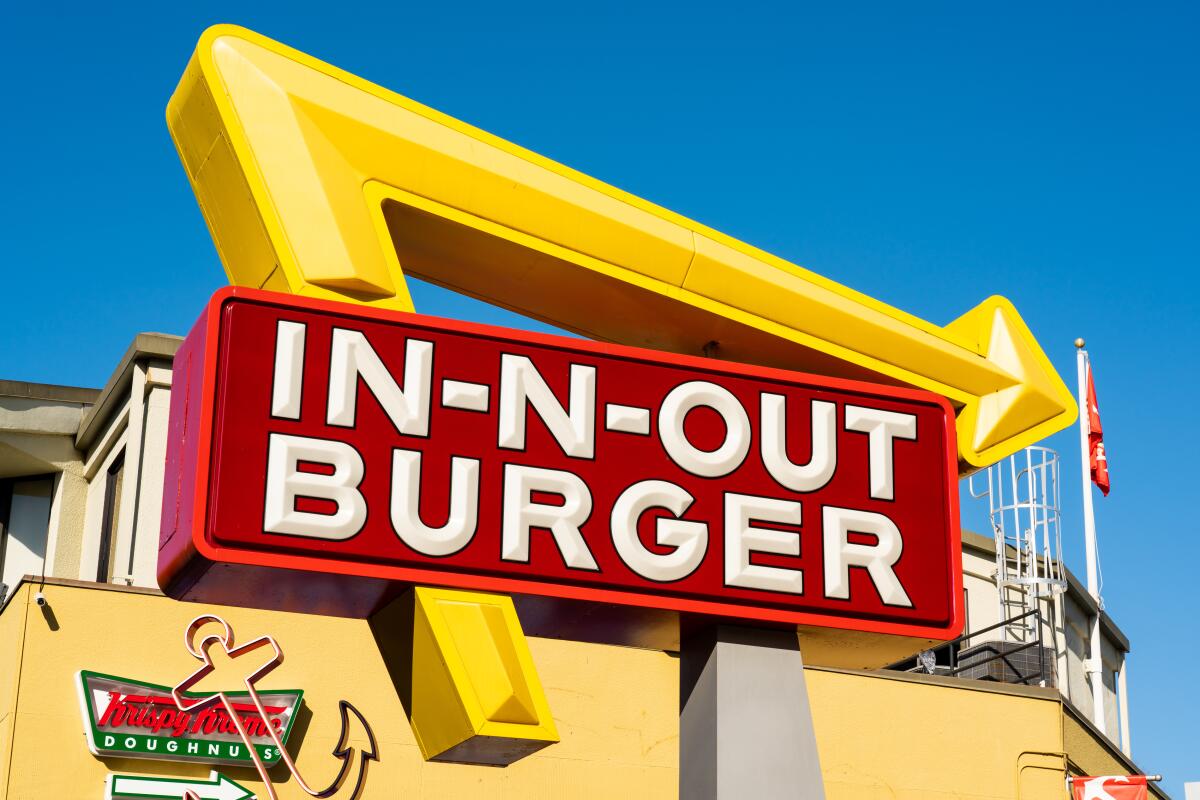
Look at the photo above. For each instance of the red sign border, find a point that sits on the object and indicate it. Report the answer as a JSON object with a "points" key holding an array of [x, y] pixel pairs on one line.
{"points": [[418, 576]]}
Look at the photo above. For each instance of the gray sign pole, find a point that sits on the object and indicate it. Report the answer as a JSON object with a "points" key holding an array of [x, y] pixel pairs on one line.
{"points": [[745, 729]]}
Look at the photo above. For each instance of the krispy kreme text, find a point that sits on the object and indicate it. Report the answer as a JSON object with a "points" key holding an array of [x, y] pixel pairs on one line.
{"points": [[129, 718], [336, 440]]}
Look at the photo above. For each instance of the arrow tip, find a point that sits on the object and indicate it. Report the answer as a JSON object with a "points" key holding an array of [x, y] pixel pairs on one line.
{"points": [[343, 748], [228, 789], [1034, 406]]}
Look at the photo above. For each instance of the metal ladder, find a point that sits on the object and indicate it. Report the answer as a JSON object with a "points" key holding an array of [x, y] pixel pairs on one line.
{"points": [[1024, 509]]}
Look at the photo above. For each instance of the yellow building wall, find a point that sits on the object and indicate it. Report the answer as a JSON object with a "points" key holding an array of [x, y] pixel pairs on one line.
{"points": [[12, 638], [1089, 755], [884, 737], [616, 710]]}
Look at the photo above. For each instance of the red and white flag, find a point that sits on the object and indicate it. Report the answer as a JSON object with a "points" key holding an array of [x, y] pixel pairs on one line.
{"points": [[1110, 787], [1099, 460]]}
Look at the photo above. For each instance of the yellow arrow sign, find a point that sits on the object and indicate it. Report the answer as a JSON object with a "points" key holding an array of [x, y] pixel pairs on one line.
{"points": [[317, 182]]}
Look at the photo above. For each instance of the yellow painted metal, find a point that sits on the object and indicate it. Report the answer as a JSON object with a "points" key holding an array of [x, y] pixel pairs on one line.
{"points": [[318, 182], [879, 734], [476, 697], [265, 193]]}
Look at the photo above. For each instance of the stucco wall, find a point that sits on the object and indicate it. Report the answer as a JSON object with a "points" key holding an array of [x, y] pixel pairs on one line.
{"points": [[615, 708], [879, 736]]}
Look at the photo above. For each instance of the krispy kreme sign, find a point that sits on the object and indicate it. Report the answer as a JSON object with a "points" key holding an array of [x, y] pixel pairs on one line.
{"points": [[322, 455], [128, 718]]}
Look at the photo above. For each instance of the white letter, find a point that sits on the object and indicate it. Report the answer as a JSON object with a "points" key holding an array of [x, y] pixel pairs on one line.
{"points": [[520, 514], [285, 483], [288, 382], [690, 539], [741, 540], [406, 514], [521, 384], [878, 558], [823, 461], [707, 464], [883, 426], [351, 355]]}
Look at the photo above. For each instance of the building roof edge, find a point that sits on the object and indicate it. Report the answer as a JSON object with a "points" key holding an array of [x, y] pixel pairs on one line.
{"points": [[48, 391], [144, 345]]}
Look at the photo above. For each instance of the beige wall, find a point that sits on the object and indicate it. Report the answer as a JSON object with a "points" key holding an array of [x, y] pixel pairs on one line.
{"points": [[147, 518], [111, 447], [1076, 637], [137, 430]]}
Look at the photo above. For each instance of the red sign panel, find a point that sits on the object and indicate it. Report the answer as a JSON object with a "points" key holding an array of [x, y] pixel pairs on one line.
{"points": [[1110, 787], [320, 452]]}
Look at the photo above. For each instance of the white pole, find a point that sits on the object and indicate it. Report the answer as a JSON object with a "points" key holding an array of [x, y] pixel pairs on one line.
{"points": [[1095, 666]]}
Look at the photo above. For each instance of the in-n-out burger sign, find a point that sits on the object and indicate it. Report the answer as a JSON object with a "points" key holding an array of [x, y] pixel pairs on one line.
{"points": [[320, 454]]}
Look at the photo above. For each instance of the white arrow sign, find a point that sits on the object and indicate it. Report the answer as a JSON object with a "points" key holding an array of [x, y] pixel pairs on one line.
{"points": [[135, 787]]}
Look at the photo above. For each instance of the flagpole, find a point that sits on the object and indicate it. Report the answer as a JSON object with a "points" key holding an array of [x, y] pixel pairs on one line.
{"points": [[1095, 665]]}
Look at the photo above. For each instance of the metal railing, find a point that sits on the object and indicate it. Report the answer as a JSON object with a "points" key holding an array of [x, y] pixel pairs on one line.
{"points": [[1024, 506], [947, 658]]}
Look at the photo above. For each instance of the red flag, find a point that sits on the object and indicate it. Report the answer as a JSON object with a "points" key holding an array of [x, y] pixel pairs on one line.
{"points": [[1110, 787], [1099, 460]]}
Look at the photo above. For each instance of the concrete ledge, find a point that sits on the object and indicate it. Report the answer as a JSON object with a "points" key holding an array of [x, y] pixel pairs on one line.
{"points": [[48, 391], [962, 684], [144, 345], [37, 580], [39, 416]]}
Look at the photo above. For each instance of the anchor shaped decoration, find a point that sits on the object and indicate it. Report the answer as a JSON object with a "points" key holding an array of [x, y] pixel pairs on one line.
{"points": [[264, 654]]}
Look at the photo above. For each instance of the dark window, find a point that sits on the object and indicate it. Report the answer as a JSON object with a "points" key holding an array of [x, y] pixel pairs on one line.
{"points": [[108, 525]]}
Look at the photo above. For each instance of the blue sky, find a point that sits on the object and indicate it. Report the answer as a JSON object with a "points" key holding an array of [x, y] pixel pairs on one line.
{"points": [[927, 156]]}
